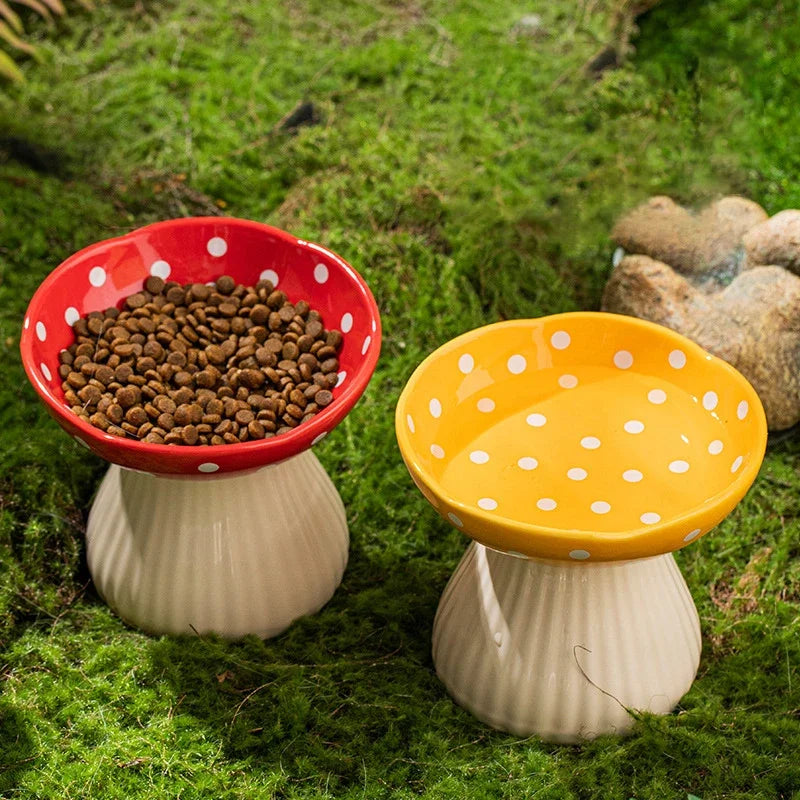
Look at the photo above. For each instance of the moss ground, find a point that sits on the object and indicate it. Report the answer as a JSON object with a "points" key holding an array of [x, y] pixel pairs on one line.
{"points": [[470, 171]]}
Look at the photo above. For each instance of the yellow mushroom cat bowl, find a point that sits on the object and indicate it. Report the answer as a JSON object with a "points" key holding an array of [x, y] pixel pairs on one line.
{"points": [[583, 436]]}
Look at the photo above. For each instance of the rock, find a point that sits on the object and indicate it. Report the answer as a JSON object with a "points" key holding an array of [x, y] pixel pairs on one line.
{"points": [[776, 241], [753, 324], [707, 244]]}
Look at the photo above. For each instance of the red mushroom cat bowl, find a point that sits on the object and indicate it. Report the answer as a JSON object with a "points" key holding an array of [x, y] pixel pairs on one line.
{"points": [[199, 250], [263, 542]]}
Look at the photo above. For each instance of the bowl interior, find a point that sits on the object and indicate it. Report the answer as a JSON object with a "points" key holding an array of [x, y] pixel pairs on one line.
{"points": [[200, 250], [592, 425]]}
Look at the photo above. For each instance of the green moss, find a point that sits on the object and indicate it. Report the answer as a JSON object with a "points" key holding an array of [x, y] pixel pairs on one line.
{"points": [[470, 173]]}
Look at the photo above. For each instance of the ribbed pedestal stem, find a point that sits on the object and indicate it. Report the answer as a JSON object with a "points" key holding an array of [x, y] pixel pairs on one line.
{"points": [[561, 650], [238, 555]]}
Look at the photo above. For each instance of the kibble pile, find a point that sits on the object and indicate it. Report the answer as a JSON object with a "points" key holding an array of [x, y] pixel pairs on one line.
{"points": [[201, 365]]}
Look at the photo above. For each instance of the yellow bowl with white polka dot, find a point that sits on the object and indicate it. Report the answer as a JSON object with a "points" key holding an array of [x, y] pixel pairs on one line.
{"points": [[584, 436]]}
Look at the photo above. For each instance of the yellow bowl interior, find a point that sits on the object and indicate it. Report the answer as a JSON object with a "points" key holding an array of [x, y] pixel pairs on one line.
{"points": [[585, 436]]}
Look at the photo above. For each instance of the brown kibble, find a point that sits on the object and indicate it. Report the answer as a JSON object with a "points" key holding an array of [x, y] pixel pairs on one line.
{"points": [[334, 339], [176, 295], [76, 380], [256, 429], [166, 421], [154, 350], [276, 299], [330, 365], [154, 284], [189, 434], [215, 354], [259, 314], [225, 284], [252, 378], [104, 374], [314, 328], [114, 413], [184, 378], [135, 300], [208, 365], [323, 398], [290, 351], [245, 416], [294, 411], [182, 395], [128, 396], [136, 416]]}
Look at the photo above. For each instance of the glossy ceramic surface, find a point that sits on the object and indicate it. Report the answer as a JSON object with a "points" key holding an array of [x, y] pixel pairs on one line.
{"points": [[200, 250], [563, 650], [245, 554], [582, 436]]}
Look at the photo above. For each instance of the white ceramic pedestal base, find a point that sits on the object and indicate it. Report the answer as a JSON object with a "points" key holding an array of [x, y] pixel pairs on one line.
{"points": [[238, 555], [559, 649]]}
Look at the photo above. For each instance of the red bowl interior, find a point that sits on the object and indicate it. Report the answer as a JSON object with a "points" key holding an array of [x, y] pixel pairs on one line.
{"points": [[200, 250]]}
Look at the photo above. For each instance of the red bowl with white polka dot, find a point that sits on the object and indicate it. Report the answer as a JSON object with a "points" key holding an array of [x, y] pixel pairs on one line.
{"points": [[200, 250]]}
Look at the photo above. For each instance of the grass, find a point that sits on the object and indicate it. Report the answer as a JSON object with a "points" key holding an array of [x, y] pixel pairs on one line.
{"points": [[471, 172]]}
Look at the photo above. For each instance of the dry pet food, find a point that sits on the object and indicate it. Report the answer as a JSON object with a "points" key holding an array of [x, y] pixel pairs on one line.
{"points": [[201, 365]]}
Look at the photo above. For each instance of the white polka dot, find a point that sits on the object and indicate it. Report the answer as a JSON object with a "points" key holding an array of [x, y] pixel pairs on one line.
{"points": [[527, 463], [410, 423], [689, 536], [27, 323], [437, 451], [679, 467], [455, 520], [590, 443], [536, 420], [478, 456], [650, 518], [208, 466], [365, 346], [466, 363], [435, 407], [715, 448], [340, 379], [600, 507], [516, 364], [579, 555], [346, 324], [81, 442], [487, 504], [567, 381], [71, 316], [45, 371], [320, 273], [577, 474], [657, 396], [486, 405], [742, 409], [160, 269], [560, 340], [623, 359], [217, 246], [319, 437], [374, 326], [41, 331], [271, 276], [617, 256], [632, 475], [736, 463], [97, 276], [710, 401], [677, 359], [633, 426], [546, 504]]}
